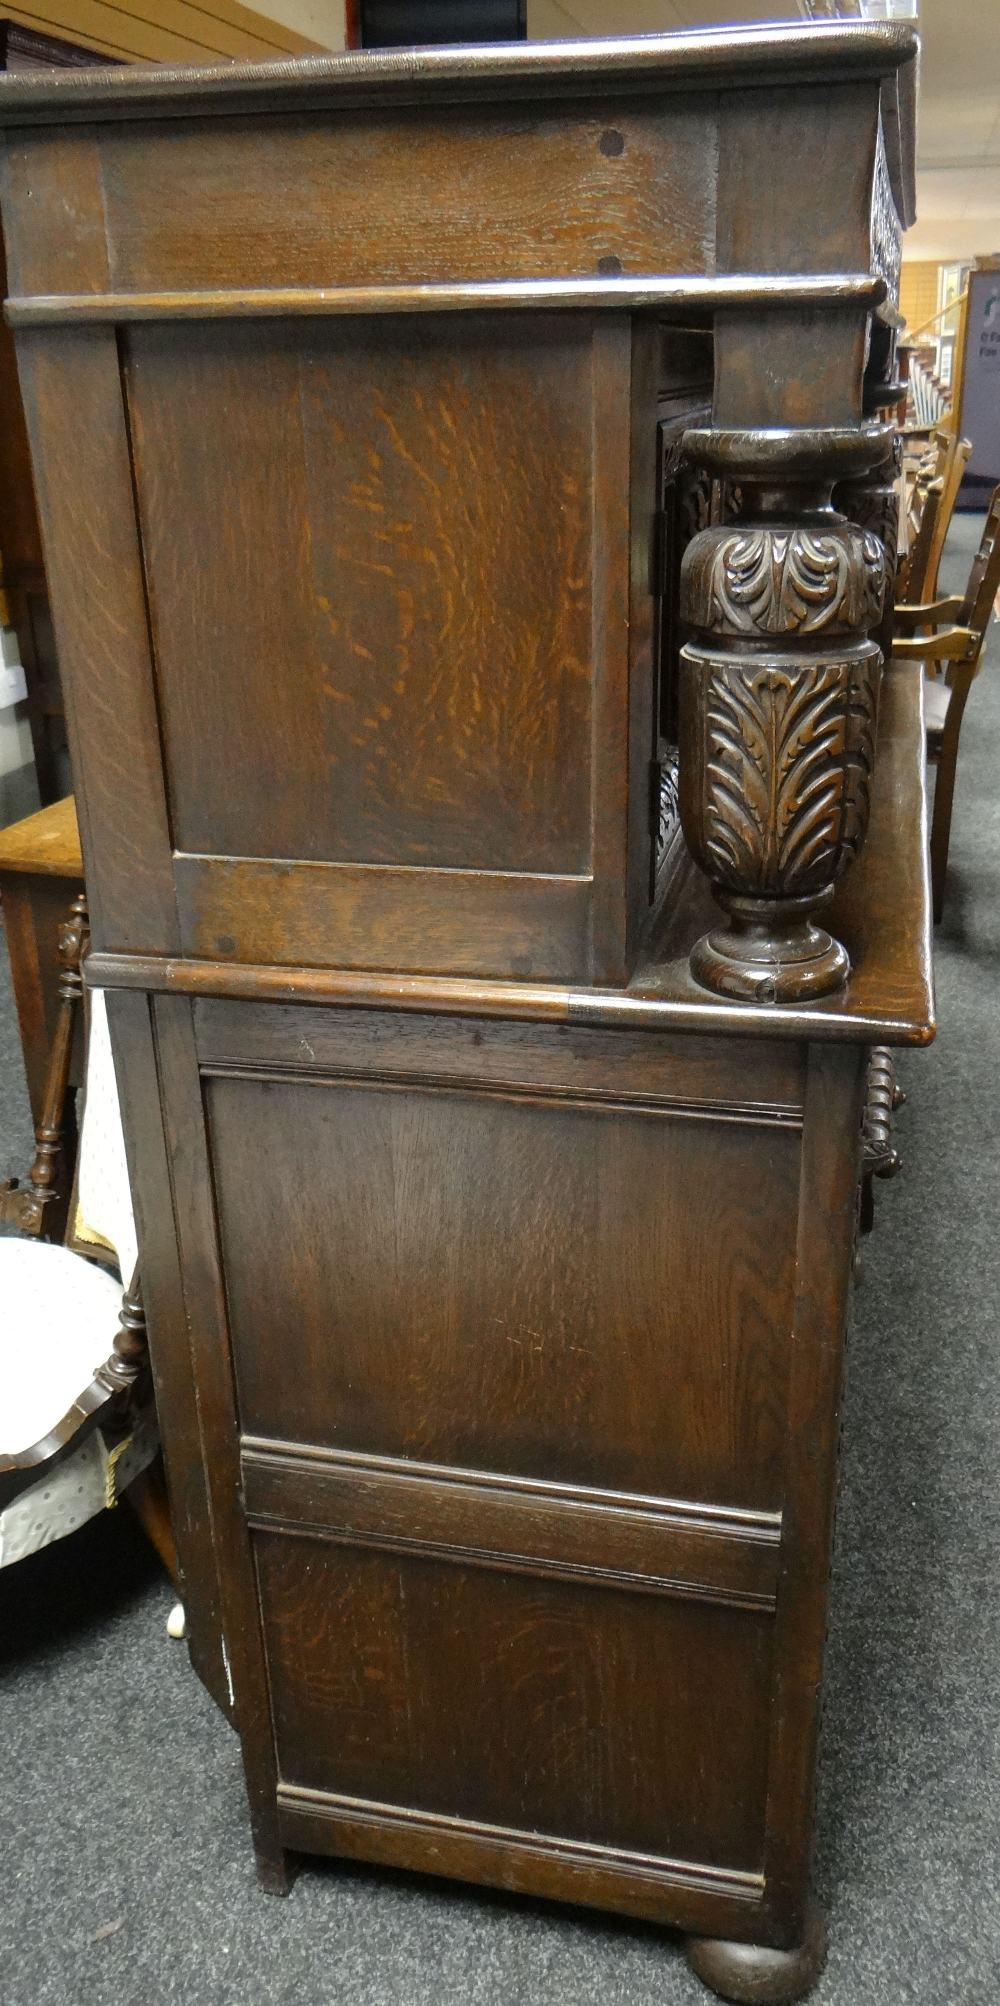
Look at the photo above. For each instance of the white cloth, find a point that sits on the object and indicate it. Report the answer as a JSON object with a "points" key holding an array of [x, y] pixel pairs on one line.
{"points": [[104, 1199], [68, 1493], [58, 1318]]}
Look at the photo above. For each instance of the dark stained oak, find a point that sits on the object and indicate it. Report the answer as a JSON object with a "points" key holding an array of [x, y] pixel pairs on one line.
{"points": [[778, 55], [372, 468], [25, 51], [512, 195], [698, 293], [747, 1972], [348, 1631], [455, 1302], [439, 458], [703, 1076], [882, 912], [723, 1554]]}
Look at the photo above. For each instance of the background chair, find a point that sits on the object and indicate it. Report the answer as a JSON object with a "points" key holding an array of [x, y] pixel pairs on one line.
{"points": [[77, 1423], [933, 498], [951, 650], [914, 564], [955, 461]]}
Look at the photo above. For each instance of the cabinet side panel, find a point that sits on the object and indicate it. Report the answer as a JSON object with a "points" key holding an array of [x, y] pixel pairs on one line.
{"points": [[595, 1295], [483, 1695], [827, 1226], [369, 554]]}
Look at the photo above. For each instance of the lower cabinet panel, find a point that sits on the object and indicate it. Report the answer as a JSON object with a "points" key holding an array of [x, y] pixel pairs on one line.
{"points": [[596, 1295], [635, 1721]]}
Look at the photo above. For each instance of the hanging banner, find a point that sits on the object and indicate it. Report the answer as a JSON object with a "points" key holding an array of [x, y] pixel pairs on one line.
{"points": [[980, 414]]}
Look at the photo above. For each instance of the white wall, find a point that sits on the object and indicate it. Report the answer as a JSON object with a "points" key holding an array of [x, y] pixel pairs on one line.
{"points": [[958, 213], [17, 797], [321, 20], [15, 740]]}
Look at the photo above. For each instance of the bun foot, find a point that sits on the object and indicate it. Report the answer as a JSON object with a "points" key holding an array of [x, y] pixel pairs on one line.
{"points": [[751, 1972]]}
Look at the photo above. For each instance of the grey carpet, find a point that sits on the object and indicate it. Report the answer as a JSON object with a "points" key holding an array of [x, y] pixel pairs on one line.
{"points": [[15, 1115], [121, 1804]]}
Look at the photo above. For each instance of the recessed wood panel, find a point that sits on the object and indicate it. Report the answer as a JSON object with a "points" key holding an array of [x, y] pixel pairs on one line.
{"points": [[385, 583], [579, 1711], [597, 1296]]}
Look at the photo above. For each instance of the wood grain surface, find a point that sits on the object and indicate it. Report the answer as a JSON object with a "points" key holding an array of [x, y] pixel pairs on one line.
{"points": [[448, 1258], [361, 1657], [497, 1272]]}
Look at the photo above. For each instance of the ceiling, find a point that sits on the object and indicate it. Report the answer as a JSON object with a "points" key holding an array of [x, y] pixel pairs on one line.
{"points": [[958, 136], [958, 148], [958, 142]]}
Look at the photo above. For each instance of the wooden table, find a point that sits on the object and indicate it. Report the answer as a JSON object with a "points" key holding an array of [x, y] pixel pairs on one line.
{"points": [[41, 871], [448, 443]]}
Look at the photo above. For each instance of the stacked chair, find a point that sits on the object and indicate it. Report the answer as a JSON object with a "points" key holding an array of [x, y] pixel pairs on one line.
{"points": [[930, 505], [946, 634]]}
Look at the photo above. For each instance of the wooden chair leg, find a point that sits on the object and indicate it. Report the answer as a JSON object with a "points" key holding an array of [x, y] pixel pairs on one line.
{"points": [[38, 1207], [125, 1373], [944, 797], [147, 1495]]}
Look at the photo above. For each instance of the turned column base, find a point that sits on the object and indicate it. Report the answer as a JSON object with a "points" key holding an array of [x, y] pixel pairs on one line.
{"points": [[751, 1972], [770, 952]]}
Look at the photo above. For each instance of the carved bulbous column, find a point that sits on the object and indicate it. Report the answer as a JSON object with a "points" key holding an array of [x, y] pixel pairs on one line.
{"points": [[778, 702]]}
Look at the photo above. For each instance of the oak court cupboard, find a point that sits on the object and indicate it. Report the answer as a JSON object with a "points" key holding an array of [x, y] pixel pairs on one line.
{"points": [[467, 489]]}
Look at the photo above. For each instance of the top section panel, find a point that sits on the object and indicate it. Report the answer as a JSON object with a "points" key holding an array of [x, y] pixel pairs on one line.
{"points": [[736, 57]]}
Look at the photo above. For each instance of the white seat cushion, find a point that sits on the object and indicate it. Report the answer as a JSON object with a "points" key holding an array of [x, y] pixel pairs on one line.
{"points": [[65, 1494], [58, 1318]]}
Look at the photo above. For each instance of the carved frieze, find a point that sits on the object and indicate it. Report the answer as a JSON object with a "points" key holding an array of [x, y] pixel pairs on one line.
{"points": [[770, 579], [695, 496], [687, 503], [873, 504], [669, 808], [887, 238]]}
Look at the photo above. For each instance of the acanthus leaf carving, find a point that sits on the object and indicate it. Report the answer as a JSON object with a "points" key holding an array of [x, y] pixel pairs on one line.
{"points": [[786, 782], [768, 579]]}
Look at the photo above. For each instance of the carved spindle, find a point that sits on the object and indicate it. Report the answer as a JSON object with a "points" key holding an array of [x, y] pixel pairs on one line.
{"points": [[129, 1358], [29, 1207], [878, 1156], [779, 694]]}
